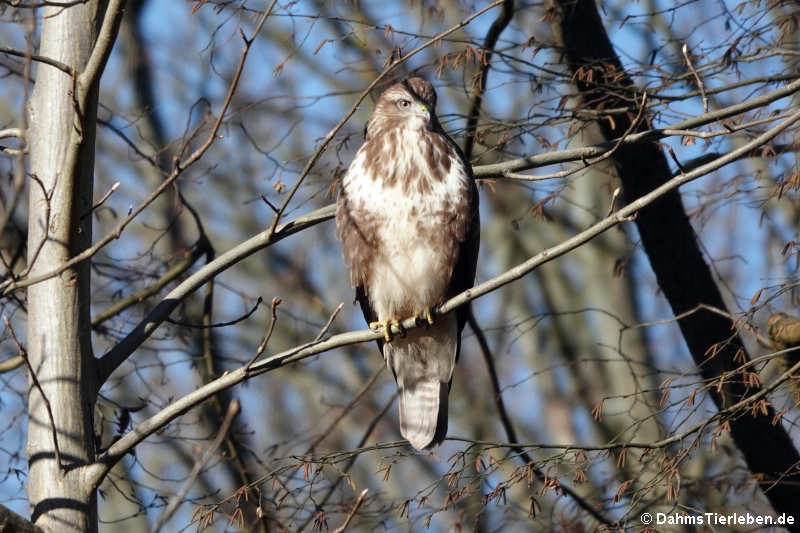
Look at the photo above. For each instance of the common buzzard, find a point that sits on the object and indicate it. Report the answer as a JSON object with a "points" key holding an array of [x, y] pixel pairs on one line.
{"points": [[407, 216]]}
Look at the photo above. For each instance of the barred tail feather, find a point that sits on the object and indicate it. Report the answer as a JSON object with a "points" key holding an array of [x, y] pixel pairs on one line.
{"points": [[423, 413], [422, 364]]}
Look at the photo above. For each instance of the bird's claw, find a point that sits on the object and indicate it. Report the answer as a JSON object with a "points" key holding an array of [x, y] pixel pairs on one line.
{"points": [[424, 316], [386, 326]]}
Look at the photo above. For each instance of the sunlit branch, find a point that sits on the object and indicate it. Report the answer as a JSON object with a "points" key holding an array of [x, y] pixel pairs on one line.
{"points": [[354, 107], [114, 357], [577, 154], [180, 406], [177, 171]]}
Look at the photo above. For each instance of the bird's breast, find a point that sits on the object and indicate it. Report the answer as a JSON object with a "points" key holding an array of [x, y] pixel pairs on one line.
{"points": [[413, 250]]}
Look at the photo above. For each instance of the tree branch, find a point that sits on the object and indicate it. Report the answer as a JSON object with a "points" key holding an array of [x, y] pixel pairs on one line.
{"points": [[126, 443], [40, 59], [511, 434], [35, 380], [332, 133], [233, 409], [577, 154], [114, 357], [489, 43], [11, 522], [177, 171], [106, 37]]}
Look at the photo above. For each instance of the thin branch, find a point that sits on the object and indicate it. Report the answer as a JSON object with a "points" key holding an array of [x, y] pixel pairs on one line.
{"points": [[233, 409], [497, 27], [181, 405], [24, 355], [40, 59], [102, 49], [198, 250], [352, 512], [265, 341], [219, 324], [11, 522], [332, 133], [328, 324], [511, 434], [102, 200], [577, 154], [180, 166], [700, 86]]}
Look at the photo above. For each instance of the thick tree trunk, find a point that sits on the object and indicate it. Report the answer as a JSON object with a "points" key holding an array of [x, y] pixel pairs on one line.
{"points": [[59, 227], [671, 246]]}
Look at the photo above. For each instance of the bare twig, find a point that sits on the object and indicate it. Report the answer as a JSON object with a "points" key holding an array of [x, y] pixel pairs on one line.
{"points": [[489, 43], [273, 320], [700, 86], [352, 512], [102, 200], [24, 355], [328, 324], [40, 59], [233, 410], [180, 166], [389, 68], [180, 406], [245, 316], [511, 433], [576, 154]]}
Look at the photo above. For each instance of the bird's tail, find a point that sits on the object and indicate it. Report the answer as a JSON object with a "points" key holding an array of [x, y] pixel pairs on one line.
{"points": [[423, 367], [423, 413]]}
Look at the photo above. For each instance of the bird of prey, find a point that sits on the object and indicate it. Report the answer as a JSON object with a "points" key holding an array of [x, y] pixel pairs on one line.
{"points": [[407, 216]]}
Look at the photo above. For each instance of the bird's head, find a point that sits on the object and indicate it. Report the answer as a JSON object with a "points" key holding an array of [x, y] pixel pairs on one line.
{"points": [[410, 103]]}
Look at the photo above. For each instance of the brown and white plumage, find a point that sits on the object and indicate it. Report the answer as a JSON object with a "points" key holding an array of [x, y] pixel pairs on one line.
{"points": [[407, 216]]}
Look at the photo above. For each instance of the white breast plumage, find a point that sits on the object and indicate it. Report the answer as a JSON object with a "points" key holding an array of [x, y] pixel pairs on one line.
{"points": [[407, 272]]}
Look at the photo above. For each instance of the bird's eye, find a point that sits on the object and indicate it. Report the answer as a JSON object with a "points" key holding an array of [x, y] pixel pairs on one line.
{"points": [[403, 103]]}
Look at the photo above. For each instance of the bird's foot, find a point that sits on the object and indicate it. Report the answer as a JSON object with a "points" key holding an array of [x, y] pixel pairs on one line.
{"points": [[386, 326], [425, 316]]}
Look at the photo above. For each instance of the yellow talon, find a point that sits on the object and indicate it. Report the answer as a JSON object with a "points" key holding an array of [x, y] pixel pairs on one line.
{"points": [[425, 315], [386, 326]]}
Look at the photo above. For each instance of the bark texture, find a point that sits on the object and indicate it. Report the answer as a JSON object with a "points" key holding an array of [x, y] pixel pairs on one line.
{"points": [[671, 246], [59, 227]]}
